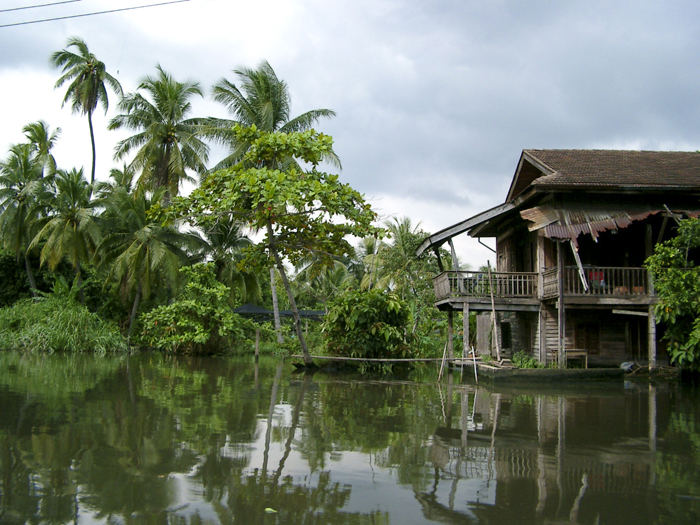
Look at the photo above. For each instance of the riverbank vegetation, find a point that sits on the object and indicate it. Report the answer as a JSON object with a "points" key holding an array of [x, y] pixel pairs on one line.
{"points": [[677, 285], [155, 268]]}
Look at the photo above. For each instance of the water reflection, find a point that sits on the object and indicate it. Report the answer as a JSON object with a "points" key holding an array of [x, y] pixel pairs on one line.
{"points": [[151, 439]]}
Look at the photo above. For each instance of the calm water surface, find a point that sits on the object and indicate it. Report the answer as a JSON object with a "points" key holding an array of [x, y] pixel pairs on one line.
{"points": [[154, 440]]}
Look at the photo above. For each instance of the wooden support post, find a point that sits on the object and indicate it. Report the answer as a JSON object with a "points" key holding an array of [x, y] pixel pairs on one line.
{"points": [[542, 336], [561, 312], [652, 338], [465, 331], [651, 341], [494, 319], [439, 259], [455, 267], [450, 334]]}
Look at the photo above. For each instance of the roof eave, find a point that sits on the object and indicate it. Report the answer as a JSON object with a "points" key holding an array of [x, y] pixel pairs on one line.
{"points": [[437, 239]]}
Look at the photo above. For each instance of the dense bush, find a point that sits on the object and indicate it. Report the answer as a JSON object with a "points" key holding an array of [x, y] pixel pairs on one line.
{"points": [[56, 323], [199, 320], [367, 324], [674, 266]]}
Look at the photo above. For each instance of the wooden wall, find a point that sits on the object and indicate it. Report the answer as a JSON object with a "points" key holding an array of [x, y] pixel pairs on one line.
{"points": [[602, 333]]}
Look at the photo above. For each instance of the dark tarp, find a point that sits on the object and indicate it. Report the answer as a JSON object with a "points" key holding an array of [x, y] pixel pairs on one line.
{"points": [[255, 311]]}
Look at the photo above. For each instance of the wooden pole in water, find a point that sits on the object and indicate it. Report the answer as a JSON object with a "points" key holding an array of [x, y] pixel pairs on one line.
{"points": [[450, 335], [257, 343], [465, 331]]}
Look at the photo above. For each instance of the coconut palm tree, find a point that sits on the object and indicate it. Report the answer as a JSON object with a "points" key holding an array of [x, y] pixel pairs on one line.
{"points": [[20, 195], [42, 141], [262, 100], [224, 244], [87, 76], [167, 143], [139, 253], [71, 231]]}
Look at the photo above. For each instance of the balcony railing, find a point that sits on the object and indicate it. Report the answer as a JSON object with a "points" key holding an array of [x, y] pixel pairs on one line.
{"points": [[608, 281], [478, 285], [603, 281]]}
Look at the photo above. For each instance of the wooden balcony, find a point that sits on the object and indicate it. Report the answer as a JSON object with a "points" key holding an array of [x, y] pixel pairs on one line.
{"points": [[477, 285], [604, 283]]}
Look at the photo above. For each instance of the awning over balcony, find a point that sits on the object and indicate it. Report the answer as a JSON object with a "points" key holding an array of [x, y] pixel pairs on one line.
{"points": [[568, 224]]}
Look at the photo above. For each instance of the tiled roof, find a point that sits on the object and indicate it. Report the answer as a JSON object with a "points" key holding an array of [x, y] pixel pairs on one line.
{"points": [[615, 168]]}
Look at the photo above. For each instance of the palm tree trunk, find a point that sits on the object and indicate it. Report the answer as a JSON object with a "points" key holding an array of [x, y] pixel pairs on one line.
{"points": [[92, 140], [275, 306], [134, 310], [30, 275], [79, 276]]}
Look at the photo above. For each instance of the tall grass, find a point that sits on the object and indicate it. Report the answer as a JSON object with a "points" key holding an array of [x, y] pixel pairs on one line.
{"points": [[57, 323]]}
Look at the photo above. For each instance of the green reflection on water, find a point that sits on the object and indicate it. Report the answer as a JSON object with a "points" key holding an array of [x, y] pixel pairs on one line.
{"points": [[153, 439]]}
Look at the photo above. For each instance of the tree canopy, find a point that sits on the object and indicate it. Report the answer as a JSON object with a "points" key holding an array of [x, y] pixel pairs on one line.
{"points": [[299, 212]]}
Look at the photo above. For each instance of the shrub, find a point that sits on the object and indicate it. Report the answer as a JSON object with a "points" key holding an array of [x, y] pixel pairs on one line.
{"points": [[199, 319], [521, 359], [57, 323], [367, 324]]}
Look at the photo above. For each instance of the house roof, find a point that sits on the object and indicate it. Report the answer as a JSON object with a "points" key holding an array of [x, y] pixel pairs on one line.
{"points": [[598, 169], [562, 168]]}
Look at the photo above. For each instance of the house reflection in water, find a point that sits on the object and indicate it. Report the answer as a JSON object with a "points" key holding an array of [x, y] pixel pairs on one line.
{"points": [[533, 457]]}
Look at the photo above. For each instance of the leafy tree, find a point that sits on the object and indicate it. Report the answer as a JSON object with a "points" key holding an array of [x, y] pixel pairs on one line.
{"points": [[200, 317], [677, 285], [262, 100], [20, 192], [300, 213], [368, 323], [71, 231], [87, 76], [167, 143]]}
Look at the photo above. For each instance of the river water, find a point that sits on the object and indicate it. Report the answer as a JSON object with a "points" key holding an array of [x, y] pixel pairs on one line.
{"points": [[151, 439]]}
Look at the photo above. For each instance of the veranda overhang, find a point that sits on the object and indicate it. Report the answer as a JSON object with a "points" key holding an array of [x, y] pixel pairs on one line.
{"points": [[437, 239]]}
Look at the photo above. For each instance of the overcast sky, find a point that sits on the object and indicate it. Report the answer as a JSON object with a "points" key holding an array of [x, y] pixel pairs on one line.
{"points": [[435, 99]]}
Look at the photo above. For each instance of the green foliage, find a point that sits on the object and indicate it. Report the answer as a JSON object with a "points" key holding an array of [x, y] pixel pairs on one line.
{"points": [[367, 324], [166, 142], [396, 267], [677, 285], [57, 323], [522, 359], [299, 212], [199, 319]]}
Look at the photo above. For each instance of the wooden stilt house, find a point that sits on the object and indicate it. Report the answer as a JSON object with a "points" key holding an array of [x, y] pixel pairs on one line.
{"points": [[571, 240]]}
